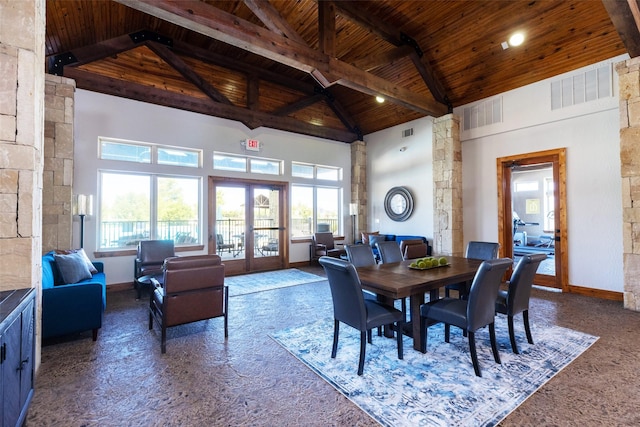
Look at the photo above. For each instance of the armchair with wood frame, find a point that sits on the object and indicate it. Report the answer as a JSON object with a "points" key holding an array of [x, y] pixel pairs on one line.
{"points": [[323, 245], [150, 258], [192, 289]]}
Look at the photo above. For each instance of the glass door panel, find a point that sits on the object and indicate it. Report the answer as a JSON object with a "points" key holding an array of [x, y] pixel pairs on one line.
{"points": [[230, 222]]}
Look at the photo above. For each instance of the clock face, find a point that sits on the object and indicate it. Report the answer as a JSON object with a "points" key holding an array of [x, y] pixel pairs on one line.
{"points": [[398, 204]]}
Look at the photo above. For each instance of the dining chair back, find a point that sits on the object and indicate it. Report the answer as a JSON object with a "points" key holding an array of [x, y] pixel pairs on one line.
{"points": [[473, 313], [360, 255], [352, 308], [474, 250], [389, 251], [515, 299]]}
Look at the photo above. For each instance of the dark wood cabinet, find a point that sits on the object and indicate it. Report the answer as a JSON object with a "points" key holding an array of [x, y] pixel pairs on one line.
{"points": [[17, 332]]}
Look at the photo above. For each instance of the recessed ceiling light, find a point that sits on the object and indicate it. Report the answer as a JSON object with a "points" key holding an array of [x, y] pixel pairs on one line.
{"points": [[516, 39], [379, 99]]}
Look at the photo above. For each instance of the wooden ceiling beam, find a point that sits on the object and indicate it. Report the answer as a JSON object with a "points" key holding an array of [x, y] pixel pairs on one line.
{"points": [[215, 23], [434, 85], [187, 72], [355, 11], [151, 95], [91, 53], [272, 19], [626, 18], [327, 28], [298, 105]]}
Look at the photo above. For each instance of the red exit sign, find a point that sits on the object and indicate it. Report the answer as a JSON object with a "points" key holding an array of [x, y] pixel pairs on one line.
{"points": [[253, 144]]}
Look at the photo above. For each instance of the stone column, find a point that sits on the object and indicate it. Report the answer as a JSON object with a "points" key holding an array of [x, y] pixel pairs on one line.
{"points": [[58, 163], [629, 88], [359, 186], [447, 182], [22, 63]]}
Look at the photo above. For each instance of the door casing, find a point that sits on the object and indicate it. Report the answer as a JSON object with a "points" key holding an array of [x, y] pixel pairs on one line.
{"points": [[505, 214]]}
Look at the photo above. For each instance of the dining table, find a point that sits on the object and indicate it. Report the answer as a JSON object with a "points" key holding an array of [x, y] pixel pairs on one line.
{"points": [[397, 280]]}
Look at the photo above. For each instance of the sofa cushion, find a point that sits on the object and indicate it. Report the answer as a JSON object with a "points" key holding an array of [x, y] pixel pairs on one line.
{"points": [[73, 267], [84, 256], [373, 239], [366, 235]]}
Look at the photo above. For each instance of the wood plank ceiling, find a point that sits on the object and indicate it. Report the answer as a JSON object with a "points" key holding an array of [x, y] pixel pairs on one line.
{"points": [[315, 67]]}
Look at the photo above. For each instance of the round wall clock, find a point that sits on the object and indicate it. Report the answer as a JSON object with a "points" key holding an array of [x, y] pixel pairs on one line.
{"points": [[398, 203]]}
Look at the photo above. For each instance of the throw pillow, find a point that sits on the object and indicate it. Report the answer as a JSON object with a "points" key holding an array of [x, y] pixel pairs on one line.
{"points": [[374, 238], [365, 236], [73, 268], [83, 254]]}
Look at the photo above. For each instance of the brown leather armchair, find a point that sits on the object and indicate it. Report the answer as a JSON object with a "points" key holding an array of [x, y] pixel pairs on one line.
{"points": [[192, 289], [323, 245], [149, 260], [414, 248]]}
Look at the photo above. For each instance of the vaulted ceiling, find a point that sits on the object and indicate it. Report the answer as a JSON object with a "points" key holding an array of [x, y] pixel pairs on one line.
{"points": [[315, 67]]}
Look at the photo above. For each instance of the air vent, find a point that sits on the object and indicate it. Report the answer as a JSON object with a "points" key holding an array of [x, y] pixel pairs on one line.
{"points": [[482, 114], [587, 86], [407, 132]]}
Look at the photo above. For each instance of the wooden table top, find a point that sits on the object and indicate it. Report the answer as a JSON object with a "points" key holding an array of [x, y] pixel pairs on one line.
{"points": [[396, 280]]}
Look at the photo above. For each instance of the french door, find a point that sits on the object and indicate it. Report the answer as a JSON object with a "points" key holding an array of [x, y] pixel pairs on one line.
{"points": [[532, 212], [247, 224]]}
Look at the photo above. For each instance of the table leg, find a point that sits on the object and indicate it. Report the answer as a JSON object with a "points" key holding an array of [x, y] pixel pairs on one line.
{"points": [[418, 336]]}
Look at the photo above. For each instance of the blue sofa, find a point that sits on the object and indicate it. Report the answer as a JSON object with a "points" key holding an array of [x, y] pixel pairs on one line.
{"points": [[69, 308], [394, 237]]}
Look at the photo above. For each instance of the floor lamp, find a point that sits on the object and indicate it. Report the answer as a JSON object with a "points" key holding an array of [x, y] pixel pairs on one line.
{"points": [[82, 206], [353, 211]]}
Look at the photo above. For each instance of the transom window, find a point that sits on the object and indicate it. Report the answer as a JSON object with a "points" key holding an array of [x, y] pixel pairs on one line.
{"points": [[140, 152], [310, 171], [233, 162]]}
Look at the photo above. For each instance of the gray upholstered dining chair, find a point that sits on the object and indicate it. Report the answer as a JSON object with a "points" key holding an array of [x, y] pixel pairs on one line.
{"points": [[360, 255], [473, 313], [475, 250], [352, 308], [389, 251], [515, 299]]}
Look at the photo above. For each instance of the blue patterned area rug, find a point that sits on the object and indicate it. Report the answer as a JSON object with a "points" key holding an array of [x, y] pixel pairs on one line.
{"points": [[438, 388], [258, 282]]}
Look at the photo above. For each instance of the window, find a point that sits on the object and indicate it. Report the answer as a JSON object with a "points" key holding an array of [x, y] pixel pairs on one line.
{"points": [[136, 207], [139, 152], [304, 170], [314, 208], [526, 186], [231, 162]]}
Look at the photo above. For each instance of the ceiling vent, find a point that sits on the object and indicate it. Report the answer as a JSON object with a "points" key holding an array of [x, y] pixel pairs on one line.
{"points": [[483, 114], [583, 87], [407, 132]]}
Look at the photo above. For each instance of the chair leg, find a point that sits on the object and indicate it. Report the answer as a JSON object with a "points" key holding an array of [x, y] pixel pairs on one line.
{"points": [[525, 316], [494, 345], [363, 348], [163, 339], [336, 329], [474, 354], [226, 311], [512, 335], [369, 336], [399, 338], [447, 330], [150, 319], [446, 292]]}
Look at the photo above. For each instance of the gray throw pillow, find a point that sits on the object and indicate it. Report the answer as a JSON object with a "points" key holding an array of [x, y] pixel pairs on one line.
{"points": [[73, 267]]}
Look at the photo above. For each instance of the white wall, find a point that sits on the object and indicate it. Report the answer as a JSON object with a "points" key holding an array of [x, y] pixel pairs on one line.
{"points": [[589, 131], [388, 167], [108, 116]]}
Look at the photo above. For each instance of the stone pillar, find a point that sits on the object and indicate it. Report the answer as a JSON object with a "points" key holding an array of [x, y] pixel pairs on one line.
{"points": [[447, 182], [58, 163], [22, 63], [629, 88], [359, 186]]}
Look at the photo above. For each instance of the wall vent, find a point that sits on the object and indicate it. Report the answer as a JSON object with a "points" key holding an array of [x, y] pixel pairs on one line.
{"points": [[407, 132], [587, 86], [482, 114]]}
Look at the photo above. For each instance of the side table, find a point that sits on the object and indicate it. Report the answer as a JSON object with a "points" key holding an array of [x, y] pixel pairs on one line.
{"points": [[146, 281]]}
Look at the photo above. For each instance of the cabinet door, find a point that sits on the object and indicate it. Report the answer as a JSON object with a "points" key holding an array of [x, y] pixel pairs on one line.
{"points": [[26, 354], [11, 374]]}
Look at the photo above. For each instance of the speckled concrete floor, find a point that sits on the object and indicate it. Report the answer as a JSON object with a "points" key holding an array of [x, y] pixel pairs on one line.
{"points": [[203, 380]]}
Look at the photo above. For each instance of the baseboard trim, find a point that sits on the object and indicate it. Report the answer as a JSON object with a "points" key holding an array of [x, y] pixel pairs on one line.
{"points": [[118, 287], [596, 293]]}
